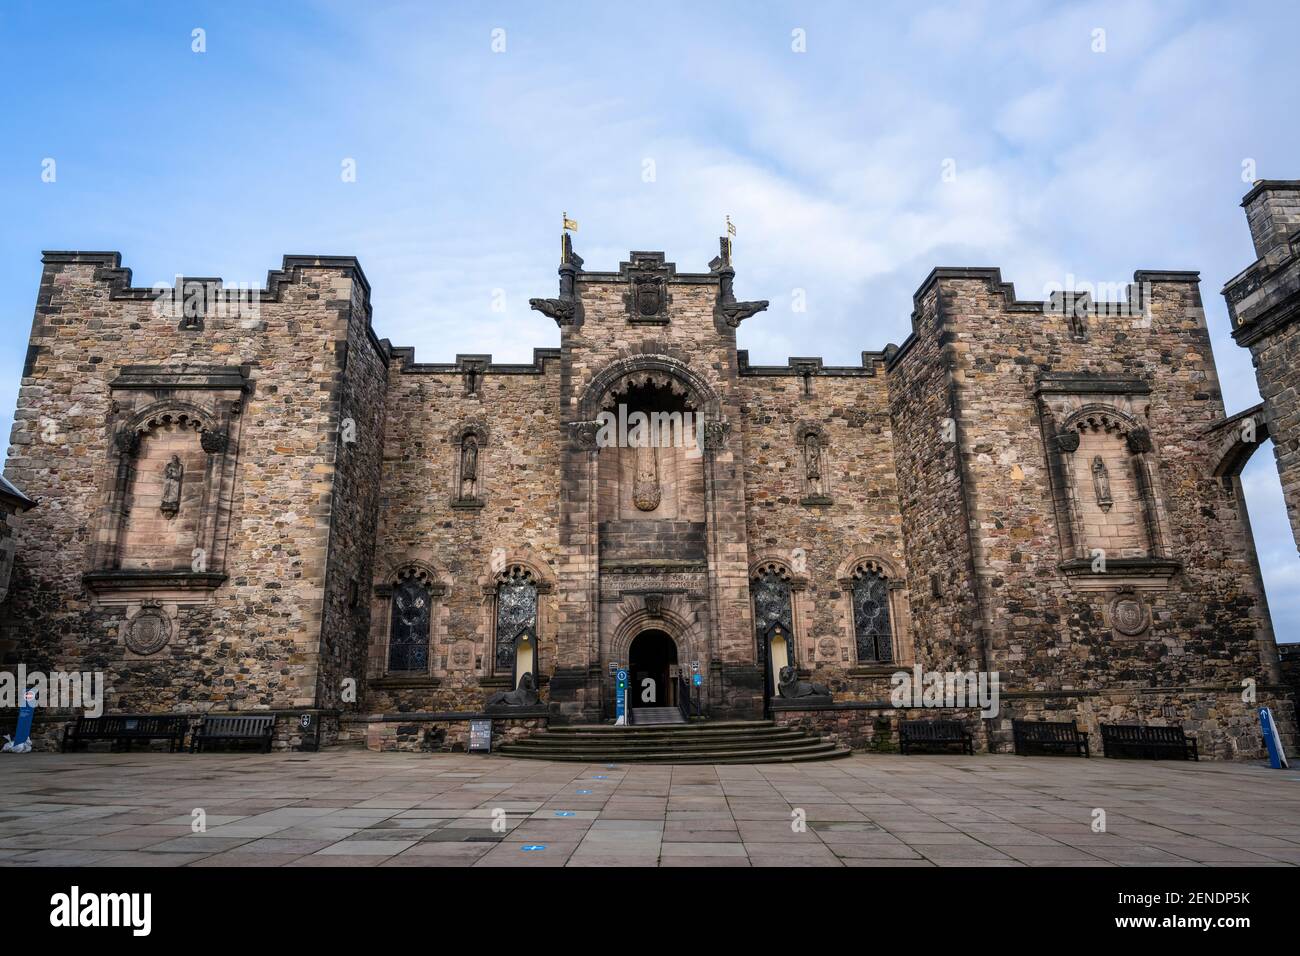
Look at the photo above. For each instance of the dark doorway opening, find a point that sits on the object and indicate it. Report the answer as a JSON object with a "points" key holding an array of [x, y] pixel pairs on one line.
{"points": [[652, 658]]}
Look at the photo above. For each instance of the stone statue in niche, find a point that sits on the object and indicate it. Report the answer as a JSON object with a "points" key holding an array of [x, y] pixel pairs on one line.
{"points": [[1101, 483], [646, 491], [468, 466], [173, 474], [812, 453]]}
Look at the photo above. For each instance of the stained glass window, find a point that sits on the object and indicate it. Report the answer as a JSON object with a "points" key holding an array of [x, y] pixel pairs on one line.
{"points": [[408, 646], [516, 610], [871, 625], [771, 594]]}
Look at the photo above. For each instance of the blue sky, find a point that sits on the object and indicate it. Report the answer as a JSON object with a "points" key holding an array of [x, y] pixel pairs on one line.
{"points": [[648, 128]]}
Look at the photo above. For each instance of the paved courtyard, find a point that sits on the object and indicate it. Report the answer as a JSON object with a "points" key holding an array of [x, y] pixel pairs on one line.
{"points": [[355, 808]]}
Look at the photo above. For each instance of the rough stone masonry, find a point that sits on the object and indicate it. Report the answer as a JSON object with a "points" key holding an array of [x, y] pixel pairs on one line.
{"points": [[250, 502]]}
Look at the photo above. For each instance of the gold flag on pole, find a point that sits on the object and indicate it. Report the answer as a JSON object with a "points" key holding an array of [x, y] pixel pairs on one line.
{"points": [[731, 228], [569, 224]]}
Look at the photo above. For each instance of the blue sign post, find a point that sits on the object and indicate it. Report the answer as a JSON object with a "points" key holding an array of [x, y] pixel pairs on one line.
{"points": [[1276, 755], [620, 694], [26, 711]]}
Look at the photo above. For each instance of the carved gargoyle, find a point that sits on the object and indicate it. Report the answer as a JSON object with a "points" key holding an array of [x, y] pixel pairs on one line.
{"points": [[563, 311], [790, 687], [728, 309], [525, 695], [567, 309]]}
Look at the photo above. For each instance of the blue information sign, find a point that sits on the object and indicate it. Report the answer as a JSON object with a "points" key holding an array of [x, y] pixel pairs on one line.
{"points": [[1276, 755], [620, 693]]}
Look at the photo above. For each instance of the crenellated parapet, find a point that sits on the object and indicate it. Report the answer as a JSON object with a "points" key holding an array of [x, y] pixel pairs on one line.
{"points": [[192, 299], [471, 364], [873, 363]]}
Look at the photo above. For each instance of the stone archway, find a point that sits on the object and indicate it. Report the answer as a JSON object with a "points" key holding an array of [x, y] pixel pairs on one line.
{"points": [[652, 669], [675, 615], [1235, 439]]}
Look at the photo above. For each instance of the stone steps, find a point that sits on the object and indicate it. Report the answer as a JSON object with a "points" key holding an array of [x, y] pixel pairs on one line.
{"points": [[723, 742], [656, 716], [665, 737], [605, 744], [696, 726]]}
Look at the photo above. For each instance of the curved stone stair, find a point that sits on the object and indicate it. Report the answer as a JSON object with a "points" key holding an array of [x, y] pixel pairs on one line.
{"points": [[748, 741]]}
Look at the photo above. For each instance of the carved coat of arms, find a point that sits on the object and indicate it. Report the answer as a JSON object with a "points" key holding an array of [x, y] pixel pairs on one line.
{"points": [[649, 297]]}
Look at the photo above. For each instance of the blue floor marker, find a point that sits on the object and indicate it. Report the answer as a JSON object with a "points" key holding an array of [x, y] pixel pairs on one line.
{"points": [[564, 813], [530, 847], [582, 791]]}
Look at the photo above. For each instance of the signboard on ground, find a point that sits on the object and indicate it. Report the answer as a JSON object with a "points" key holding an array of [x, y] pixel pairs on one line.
{"points": [[480, 736], [26, 712], [1276, 755]]}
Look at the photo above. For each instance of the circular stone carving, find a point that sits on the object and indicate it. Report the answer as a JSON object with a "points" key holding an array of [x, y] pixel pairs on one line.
{"points": [[828, 649], [148, 632], [1129, 616]]}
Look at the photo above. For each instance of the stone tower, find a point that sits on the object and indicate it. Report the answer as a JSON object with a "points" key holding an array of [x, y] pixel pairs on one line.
{"points": [[1264, 305]]}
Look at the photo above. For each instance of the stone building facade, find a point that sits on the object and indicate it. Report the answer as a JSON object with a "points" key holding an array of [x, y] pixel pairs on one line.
{"points": [[251, 502]]}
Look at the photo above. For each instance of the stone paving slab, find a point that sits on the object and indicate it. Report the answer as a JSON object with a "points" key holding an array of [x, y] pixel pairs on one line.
{"points": [[355, 808]]}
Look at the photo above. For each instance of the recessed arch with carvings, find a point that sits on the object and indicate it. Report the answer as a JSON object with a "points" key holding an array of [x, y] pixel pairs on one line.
{"points": [[661, 370]]}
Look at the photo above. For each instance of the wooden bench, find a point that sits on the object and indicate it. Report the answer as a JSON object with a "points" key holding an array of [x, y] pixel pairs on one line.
{"points": [[941, 735], [1147, 743], [238, 728], [1049, 737], [125, 729]]}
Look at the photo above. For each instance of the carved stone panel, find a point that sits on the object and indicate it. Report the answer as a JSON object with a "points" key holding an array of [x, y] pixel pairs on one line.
{"points": [[1129, 615], [461, 657], [149, 630], [648, 298], [828, 650]]}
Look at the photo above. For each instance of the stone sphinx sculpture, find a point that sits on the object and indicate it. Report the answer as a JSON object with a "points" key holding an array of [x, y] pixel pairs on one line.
{"points": [[790, 687], [525, 695]]}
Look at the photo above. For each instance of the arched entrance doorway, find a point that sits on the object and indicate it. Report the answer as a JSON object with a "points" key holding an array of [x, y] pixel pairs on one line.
{"points": [[652, 670]]}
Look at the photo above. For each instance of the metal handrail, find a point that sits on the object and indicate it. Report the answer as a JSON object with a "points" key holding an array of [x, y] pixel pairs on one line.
{"points": [[684, 697]]}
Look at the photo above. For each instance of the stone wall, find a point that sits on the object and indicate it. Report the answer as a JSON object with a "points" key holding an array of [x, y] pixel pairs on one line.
{"points": [[1289, 657], [434, 733], [852, 515], [1225, 727], [864, 726], [48, 727], [465, 545], [945, 604], [266, 383], [353, 507], [1023, 373]]}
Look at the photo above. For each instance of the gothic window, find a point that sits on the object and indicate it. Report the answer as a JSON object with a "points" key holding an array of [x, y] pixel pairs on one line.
{"points": [[872, 627], [408, 644], [771, 593], [516, 613]]}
